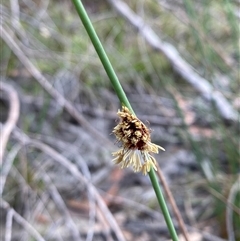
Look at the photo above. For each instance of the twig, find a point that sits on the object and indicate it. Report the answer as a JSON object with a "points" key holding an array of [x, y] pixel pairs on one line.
{"points": [[23, 222], [15, 13], [105, 229], [12, 117], [49, 88], [181, 66], [7, 166], [229, 214], [173, 204], [92, 204], [74, 171], [9, 219]]}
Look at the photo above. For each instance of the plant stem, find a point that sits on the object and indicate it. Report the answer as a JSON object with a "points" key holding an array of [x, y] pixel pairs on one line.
{"points": [[102, 54], [124, 101], [162, 204]]}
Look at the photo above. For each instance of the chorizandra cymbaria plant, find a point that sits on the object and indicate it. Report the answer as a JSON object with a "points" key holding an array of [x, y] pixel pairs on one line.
{"points": [[131, 132], [136, 143]]}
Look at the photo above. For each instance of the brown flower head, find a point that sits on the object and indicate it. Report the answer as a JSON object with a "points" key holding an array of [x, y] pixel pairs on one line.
{"points": [[136, 143]]}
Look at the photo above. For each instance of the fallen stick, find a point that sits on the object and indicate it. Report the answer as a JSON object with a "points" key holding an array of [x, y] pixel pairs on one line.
{"points": [[13, 115]]}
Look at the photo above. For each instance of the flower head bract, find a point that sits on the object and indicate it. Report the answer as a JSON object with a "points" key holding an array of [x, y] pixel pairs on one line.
{"points": [[136, 143]]}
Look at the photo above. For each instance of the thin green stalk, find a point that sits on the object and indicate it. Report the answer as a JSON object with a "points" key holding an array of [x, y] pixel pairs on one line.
{"points": [[162, 204], [123, 99], [101, 53]]}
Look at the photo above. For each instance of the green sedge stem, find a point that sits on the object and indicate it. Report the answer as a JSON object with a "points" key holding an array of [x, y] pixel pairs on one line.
{"points": [[123, 99], [162, 204], [101, 53]]}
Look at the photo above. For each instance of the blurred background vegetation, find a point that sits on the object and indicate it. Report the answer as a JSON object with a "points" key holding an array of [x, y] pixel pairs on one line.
{"points": [[201, 162]]}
